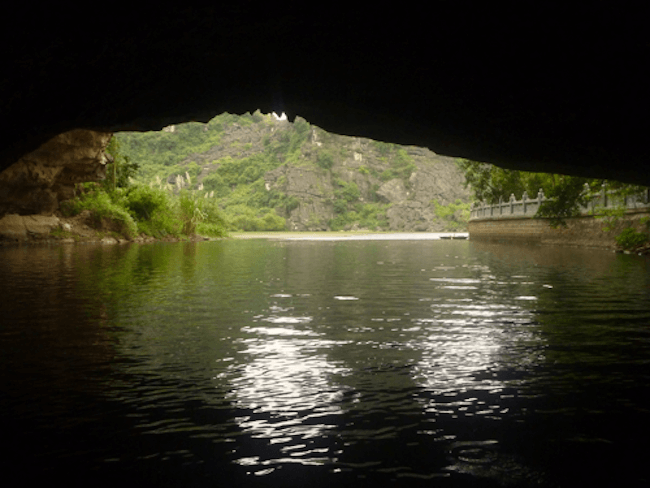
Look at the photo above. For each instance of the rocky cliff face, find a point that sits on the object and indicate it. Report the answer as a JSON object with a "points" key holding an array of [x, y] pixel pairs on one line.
{"points": [[37, 182], [329, 176], [410, 200]]}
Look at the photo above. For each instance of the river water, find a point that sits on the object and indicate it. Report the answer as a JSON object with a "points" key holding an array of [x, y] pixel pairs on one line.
{"points": [[324, 363]]}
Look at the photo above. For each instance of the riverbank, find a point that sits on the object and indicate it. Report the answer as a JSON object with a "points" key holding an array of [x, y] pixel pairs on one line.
{"points": [[352, 235], [57, 229], [585, 231]]}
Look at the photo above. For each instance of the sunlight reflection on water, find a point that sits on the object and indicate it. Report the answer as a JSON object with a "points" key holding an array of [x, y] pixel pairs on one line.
{"points": [[297, 396], [284, 385], [331, 362]]}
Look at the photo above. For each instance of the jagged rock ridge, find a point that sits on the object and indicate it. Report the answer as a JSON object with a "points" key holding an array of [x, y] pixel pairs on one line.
{"points": [[328, 177]]}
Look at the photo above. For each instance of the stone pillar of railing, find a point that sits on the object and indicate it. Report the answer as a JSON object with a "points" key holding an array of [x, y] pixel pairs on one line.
{"points": [[500, 205], [524, 198], [603, 195], [512, 203]]}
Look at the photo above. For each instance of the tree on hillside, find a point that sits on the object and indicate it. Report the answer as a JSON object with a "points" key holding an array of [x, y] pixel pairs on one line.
{"points": [[566, 194], [121, 170]]}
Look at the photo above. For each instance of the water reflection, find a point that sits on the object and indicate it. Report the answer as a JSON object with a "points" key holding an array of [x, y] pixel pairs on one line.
{"points": [[471, 343], [330, 361], [284, 385], [325, 375]]}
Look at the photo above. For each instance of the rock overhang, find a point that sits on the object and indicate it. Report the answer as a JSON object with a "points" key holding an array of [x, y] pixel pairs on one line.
{"points": [[533, 90]]}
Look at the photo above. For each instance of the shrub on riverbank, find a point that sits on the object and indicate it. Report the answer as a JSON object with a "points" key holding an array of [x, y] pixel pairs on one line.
{"points": [[367, 216], [143, 210], [242, 218], [630, 239], [105, 213]]}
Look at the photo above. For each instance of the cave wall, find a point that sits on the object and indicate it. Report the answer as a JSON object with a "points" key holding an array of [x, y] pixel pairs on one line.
{"points": [[535, 87], [40, 179]]}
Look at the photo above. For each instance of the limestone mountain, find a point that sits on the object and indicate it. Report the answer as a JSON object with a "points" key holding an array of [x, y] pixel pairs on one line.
{"points": [[275, 174]]}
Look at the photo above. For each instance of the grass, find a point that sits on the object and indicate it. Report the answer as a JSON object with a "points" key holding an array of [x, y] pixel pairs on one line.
{"points": [[105, 212], [63, 234], [129, 212]]}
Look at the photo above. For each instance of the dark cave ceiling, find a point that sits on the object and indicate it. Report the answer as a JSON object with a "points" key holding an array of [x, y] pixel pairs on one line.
{"points": [[535, 89]]}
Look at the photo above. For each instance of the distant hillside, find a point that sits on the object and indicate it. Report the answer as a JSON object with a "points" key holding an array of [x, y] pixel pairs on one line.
{"points": [[269, 174]]}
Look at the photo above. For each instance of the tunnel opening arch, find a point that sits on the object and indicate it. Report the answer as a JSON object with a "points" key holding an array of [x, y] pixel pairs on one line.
{"points": [[550, 92]]}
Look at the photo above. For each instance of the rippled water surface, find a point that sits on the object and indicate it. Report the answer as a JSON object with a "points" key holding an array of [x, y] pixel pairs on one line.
{"points": [[325, 363]]}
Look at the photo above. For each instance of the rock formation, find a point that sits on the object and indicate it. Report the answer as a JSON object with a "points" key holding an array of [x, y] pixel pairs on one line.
{"points": [[324, 175], [40, 179], [433, 179], [534, 89], [15, 227]]}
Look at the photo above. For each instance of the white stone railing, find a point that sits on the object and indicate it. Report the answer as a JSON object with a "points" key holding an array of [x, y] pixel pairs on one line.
{"points": [[527, 207]]}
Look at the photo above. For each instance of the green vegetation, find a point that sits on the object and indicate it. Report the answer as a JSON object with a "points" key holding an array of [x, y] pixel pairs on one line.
{"points": [[125, 209], [194, 211], [566, 194], [168, 161], [490, 184], [143, 210], [152, 209], [349, 192], [344, 196], [401, 165], [106, 210], [325, 160], [383, 148], [244, 218], [631, 239], [122, 170], [455, 215], [157, 152], [246, 181], [366, 216], [610, 217]]}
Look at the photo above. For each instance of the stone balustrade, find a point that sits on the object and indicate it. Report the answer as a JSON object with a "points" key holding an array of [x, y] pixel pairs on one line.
{"points": [[527, 207]]}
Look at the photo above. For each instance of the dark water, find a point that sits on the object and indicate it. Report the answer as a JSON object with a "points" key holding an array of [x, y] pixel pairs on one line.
{"points": [[300, 363]]}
